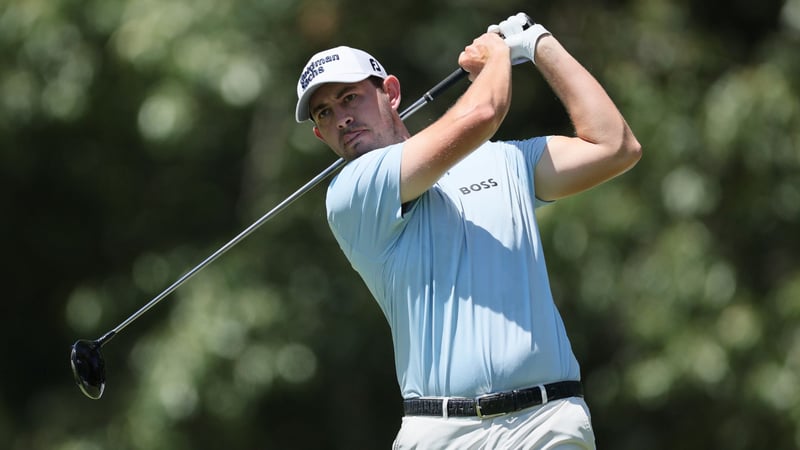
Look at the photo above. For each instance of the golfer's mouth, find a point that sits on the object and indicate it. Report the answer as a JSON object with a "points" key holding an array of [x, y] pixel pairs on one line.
{"points": [[349, 138]]}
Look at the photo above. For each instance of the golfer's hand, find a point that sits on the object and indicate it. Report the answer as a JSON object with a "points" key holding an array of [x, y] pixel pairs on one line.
{"points": [[521, 36], [485, 48]]}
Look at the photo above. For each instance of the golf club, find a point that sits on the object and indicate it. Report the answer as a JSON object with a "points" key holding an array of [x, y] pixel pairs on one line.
{"points": [[88, 366]]}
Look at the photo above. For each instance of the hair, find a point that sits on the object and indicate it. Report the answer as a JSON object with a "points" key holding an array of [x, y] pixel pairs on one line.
{"points": [[377, 82]]}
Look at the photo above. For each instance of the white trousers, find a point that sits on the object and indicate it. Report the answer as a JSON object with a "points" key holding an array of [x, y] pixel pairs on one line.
{"points": [[560, 424]]}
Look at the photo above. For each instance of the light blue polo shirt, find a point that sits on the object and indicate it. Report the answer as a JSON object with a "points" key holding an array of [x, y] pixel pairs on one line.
{"points": [[460, 276]]}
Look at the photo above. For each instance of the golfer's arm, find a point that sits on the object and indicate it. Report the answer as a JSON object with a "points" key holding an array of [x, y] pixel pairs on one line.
{"points": [[472, 120], [604, 145]]}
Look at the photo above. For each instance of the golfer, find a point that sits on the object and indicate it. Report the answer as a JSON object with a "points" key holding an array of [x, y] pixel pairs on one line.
{"points": [[441, 227]]}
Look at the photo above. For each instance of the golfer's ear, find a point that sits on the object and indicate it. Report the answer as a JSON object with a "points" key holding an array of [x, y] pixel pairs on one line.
{"points": [[391, 85], [318, 134]]}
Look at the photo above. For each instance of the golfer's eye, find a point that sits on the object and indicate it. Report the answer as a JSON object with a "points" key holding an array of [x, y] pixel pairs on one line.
{"points": [[322, 113], [349, 98]]}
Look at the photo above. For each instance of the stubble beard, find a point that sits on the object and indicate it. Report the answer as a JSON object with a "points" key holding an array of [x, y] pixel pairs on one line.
{"points": [[375, 140]]}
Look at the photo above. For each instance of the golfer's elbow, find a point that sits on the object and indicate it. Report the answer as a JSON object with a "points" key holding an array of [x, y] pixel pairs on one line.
{"points": [[630, 150], [484, 118], [490, 117], [626, 150]]}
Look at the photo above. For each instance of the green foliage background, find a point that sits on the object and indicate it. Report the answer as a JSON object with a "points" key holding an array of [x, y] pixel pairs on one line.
{"points": [[138, 136]]}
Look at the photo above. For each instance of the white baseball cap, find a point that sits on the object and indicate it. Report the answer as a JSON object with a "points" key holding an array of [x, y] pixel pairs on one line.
{"points": [[336, 65]]}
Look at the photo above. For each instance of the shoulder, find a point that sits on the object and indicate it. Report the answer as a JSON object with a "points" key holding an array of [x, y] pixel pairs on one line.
{"points": [[372, 172], [376, 159]]}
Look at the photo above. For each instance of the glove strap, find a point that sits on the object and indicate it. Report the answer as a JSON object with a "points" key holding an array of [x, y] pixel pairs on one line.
{"points": [[540, 32]]}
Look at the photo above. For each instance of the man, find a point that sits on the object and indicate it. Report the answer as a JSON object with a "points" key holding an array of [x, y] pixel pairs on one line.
{"points": [[441, 228]]}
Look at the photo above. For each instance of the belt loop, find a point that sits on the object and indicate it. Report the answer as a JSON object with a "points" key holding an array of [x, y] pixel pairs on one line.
{"points": [[444, 407], [543, 390]]}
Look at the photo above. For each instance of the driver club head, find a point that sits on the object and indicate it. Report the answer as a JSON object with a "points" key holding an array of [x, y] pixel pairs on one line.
{"points": [[88, 368]]}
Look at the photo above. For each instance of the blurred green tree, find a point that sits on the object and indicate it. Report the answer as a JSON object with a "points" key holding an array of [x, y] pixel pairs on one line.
{"points": [[136, 137]]}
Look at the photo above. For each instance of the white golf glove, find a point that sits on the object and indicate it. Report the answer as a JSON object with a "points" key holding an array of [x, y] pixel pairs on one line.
{"points": [[521, 34]]}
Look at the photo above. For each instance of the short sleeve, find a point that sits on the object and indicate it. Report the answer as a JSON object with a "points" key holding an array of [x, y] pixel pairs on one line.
{"points": [[532, 150]]}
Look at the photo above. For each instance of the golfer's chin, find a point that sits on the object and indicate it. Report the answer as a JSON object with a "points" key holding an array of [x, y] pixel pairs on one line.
{"points": [[356, 149]]}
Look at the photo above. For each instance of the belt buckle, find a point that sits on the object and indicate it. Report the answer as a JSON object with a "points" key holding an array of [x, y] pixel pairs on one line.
{"points": [[479, 410]]}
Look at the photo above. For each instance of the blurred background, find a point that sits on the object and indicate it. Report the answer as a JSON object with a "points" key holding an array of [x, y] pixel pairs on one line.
{"points": [[138, 136]]}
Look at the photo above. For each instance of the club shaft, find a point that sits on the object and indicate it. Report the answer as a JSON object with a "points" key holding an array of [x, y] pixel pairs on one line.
{"points": [[435, 91], [246, 232], [425, 99]]}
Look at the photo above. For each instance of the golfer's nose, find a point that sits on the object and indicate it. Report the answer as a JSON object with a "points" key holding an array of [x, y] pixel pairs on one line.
{"points": [[345, 120]]}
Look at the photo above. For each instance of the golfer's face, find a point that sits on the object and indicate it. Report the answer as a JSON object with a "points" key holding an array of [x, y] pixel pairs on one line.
{"points": [[352, 118]]}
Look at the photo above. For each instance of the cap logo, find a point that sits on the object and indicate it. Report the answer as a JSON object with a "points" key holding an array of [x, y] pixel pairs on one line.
{"points": [[375, 66], [315, 68]]}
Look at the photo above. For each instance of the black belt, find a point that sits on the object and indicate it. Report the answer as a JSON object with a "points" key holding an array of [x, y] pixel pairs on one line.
{"points": [[491, 405]]}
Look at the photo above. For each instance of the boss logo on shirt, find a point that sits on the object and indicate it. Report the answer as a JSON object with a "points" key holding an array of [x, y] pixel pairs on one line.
{"points": [[487, 184]]}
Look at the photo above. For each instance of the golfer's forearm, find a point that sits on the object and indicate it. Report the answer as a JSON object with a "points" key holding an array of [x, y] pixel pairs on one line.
{"points": [[472, 120], [486, 102], [595, 117]]}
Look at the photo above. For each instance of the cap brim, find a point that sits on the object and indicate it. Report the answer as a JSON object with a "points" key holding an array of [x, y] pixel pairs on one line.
{"points": [[301, 111]]}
